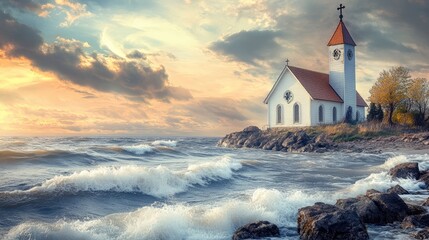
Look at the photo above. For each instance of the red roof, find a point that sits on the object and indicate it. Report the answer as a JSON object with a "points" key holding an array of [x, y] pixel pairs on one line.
{"points": [[341, 36], [317, 85]]}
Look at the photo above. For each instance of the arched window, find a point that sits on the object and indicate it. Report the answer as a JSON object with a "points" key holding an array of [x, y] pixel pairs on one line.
{"points": [[334, 114], [320, 113], [296, 113], [279, 113], [357, 116]]}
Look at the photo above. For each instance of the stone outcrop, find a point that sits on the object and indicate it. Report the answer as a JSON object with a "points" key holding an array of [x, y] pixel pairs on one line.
{"points": [[323, 221], [261, 229], [405, 170], [287, 141], [307, 140], [379, 208], [422, 234]]}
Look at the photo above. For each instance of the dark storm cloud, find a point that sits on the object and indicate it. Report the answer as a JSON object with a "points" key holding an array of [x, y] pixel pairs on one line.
{"points": [[136, 55], [249, 46], [67, 59]]}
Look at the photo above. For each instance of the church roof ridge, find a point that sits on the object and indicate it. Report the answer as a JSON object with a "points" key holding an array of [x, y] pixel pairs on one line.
{"points": [[341, 36]]}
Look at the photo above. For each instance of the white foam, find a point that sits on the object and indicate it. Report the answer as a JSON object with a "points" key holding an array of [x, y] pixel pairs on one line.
{"points": [[381, 182], [422, 159], [166, 143], [217, 221], [393, 161], [157, 181], [138, 149]]}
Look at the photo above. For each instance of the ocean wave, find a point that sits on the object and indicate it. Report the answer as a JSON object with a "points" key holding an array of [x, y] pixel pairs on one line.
{"points": [[157, 181], [139, 149], [167, 143], [391, 162], [8, 156], [179, 221]]}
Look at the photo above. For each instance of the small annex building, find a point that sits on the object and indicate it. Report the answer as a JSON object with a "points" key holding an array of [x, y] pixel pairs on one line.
{"points": [[302, 97]]}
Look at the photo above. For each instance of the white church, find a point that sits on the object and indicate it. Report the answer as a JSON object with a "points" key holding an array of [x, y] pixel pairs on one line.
{"points": [[302, 97]]}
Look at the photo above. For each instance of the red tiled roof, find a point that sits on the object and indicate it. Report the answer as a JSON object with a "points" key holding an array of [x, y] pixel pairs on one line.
{"points": [[341, 36], [317, 85]]}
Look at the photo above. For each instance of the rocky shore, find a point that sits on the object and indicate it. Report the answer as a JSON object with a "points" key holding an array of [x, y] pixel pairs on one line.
{"points": [[301, 140], [348, 218]]}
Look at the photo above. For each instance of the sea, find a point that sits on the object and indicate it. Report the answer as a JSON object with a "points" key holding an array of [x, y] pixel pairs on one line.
{"points": [[176, 187]]}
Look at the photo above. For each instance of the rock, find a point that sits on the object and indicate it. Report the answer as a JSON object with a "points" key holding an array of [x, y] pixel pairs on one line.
{"points": [[405, 170], [323, 221], [251, 129], [379, 208], [415, 221], [398, 190], [415, 209], [261, 229], [366, 209], [426, 203], [371, 191], [393, 208], [422, 234], [424, 177]]}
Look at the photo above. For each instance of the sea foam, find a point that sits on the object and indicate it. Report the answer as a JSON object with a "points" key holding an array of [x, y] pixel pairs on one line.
{"points": [[157, 181], [139, 149], [166, 143], [179, 221]]}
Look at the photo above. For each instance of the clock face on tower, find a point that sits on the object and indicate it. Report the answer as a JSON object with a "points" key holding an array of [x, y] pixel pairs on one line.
{"points": [[336, 54], [350, 54], [288, 96]]}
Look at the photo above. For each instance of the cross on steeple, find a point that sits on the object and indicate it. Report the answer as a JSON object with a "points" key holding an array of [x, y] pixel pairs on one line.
{"points": [[287, 62], [341, 11]]}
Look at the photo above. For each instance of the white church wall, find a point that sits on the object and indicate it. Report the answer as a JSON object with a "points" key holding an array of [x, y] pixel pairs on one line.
{"points": [[362, 113], [350, 79], [300, 96], [327, 112]]}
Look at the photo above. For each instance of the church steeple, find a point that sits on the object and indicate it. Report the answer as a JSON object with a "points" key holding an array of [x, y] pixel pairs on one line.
{"points": [[341, 36]]}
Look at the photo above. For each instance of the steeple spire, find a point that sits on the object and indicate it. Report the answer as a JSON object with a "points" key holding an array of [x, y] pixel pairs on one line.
{"points": [[341, 11]]}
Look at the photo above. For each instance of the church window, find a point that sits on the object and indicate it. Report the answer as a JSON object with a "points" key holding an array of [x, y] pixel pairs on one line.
{"points": [[279, 113], [320, 113], [334, 114], [296, 113]]}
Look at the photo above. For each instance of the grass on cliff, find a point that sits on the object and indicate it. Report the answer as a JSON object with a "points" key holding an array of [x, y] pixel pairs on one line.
{"points": [[346, 132]]}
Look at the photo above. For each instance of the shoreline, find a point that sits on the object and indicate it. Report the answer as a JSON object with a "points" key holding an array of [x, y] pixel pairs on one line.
{"points": [[320, 141]]}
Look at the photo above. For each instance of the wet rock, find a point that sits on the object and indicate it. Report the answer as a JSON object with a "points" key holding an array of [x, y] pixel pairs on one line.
{"points": [[398, 190], [415, 209], [324, 221], [261, 229], [424, 177], [393, 208], [366, 209], [422, 234], [371, 191], [415, 221], [378, 208], [405, 170]]}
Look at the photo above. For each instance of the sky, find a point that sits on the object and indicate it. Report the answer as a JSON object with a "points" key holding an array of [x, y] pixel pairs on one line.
{"points": [[182, 67]]}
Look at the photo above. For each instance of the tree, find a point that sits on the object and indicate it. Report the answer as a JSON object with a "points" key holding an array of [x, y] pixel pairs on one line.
{"points": [[418, 94], [371, 112], [390, 89]]}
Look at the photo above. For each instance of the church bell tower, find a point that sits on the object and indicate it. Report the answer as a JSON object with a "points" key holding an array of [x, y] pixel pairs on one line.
{"points": [[342, 72]]}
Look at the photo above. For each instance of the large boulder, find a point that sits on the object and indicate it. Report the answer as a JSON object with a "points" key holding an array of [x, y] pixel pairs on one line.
{"points": [[415, 209], [398, 190], [393, 208], [378, 208], [424, 177], [405, 170], [251, 129], [261, 229], [366, 209], [327, 222], [416, 221]]}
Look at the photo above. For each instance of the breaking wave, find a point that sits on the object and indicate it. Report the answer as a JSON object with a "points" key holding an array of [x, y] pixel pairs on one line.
{"points": [[157, 181], [167, 143], [179, 221]]}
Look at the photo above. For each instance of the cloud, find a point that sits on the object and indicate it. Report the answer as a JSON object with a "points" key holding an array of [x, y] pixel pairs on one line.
{"points": [[28, 5], [9, 98], [249, 46], [216, 110], [67, 59]]}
